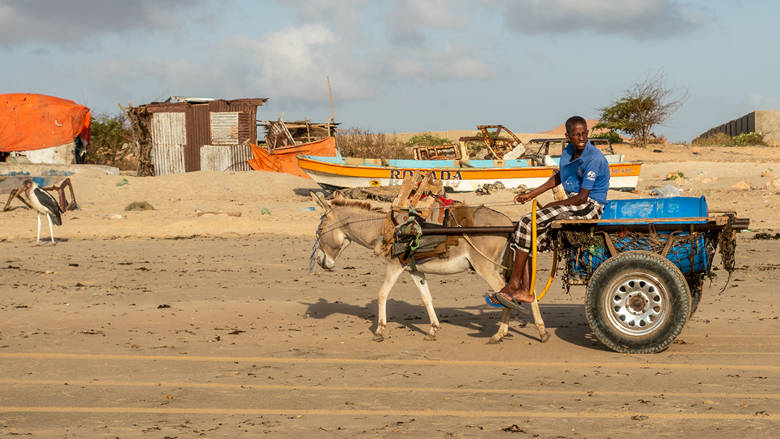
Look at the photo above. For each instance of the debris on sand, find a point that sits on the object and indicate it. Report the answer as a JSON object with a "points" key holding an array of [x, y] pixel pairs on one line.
{"points": [[676, 175], [774, 184], [521, 189], [741, 186], [766, 236], [487, 188], [767, 173], [669, 190], [139, 205], [380, 193], [514, 428], [219, 212]]}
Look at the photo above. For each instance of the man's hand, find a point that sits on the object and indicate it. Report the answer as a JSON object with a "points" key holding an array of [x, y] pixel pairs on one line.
{"points": [[523, 198]]}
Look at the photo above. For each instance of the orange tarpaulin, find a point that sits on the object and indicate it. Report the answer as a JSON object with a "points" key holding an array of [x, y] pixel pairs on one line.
{"points": [[30, 121], [283, 160]]}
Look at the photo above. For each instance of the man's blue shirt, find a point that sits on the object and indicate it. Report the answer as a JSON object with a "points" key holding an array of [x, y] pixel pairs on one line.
{"points": [[589, 171]]}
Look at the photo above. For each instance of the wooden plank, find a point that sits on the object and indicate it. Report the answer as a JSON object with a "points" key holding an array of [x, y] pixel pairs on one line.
{"points": [[560, 223], [741, 223], [610, 245]]}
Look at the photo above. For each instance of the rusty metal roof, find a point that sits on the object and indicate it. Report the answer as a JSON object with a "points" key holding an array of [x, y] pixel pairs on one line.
{"points": [[157, 107]]}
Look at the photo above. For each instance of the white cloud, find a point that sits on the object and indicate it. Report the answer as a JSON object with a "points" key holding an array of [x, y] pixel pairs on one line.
{"points": [[73, 21], [642, 19], [291, 64], [447, 63], [295, 61], [409, 21]]}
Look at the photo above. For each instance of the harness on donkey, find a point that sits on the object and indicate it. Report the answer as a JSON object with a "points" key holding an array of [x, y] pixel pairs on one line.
{"points": [[421, 203]]}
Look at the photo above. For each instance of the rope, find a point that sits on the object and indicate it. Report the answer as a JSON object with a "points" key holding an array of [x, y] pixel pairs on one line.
{"points": [[466, 237], [483, 254]]}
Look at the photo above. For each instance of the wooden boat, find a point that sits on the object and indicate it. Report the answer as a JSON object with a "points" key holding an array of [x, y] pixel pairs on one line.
{"points": [[457, 175]]}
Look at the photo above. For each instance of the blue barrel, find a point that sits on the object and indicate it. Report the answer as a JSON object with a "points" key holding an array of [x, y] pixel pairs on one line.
{"points": [[672, 207], [688, 255]]}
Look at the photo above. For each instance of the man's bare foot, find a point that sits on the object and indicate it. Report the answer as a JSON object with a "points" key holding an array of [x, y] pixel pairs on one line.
{"points": [[517, 295]]}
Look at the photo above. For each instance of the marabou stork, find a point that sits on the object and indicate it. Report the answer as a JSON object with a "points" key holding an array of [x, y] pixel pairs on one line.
{"points": [[45, 204]]}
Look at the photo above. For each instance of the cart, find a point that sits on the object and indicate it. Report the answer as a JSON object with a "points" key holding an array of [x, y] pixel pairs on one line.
{"points": [[643, 264]]}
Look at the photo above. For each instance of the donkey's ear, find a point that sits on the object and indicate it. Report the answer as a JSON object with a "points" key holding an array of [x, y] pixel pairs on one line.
{"points": [[319, 199]]}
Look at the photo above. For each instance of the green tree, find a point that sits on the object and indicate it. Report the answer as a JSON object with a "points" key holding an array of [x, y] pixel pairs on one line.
{"points": [[646, 104], [110, 139]]}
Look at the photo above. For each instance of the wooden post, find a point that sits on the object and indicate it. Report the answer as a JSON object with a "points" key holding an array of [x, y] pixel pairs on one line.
{"points": [[332, 119]]}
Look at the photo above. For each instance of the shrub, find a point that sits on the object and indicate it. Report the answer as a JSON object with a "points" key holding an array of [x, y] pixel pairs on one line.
{"points": [[611, 135], [476, 149], [428, 140], [723, 139], [110, 141], [356, 142], [745, 139], [656, 140], [717, 139]]}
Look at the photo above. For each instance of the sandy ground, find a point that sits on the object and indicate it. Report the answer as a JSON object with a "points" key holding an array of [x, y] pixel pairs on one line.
{"points": [[168, 324]]}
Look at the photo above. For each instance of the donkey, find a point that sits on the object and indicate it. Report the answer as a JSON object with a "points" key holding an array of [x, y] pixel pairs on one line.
{"points": [[346, 221]]}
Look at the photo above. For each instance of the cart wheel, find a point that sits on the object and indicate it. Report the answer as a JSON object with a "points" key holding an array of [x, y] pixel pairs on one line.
{"points": [[637, 302]]}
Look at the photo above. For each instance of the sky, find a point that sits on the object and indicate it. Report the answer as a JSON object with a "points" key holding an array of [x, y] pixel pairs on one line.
{"points": [[401, 65]]}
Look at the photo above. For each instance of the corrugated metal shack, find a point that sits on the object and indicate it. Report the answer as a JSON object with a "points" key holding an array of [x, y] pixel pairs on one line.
{"points": [[193, 134]]}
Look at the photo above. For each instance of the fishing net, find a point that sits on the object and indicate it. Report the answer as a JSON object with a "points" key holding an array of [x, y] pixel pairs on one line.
{"points": [[582, 252]]}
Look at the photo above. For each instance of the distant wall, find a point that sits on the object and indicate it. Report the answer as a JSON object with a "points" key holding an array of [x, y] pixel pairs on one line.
{"points": [[766, 122]]}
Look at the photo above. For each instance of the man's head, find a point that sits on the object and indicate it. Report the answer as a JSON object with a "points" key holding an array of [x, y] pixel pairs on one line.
{"points": [[577, 131]]}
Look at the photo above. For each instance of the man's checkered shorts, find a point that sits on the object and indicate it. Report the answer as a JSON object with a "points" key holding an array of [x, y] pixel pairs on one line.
{"points": [[521, 238]]}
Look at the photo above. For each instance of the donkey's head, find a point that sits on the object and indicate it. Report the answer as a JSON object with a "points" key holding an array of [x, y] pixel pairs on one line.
{"points": [[331, 239]]}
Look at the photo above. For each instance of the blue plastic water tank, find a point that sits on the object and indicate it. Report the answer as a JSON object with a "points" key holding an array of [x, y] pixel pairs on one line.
{"points": [[672, 207]]}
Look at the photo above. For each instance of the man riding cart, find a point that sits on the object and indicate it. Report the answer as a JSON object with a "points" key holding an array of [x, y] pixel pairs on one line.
{"points": [[643, 261]]}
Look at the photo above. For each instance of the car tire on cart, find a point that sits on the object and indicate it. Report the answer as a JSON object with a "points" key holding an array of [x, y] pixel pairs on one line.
{"points": [[637, 302]]}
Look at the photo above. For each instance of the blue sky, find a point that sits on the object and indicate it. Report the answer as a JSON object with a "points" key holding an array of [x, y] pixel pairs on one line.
{"points": [[403, 65]]}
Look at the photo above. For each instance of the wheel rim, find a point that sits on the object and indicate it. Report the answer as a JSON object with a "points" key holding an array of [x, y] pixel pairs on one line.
{"points": [[637, 304]]}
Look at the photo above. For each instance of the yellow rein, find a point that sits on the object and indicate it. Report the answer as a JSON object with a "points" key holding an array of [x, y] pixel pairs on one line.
{"points": [[533, 260]]}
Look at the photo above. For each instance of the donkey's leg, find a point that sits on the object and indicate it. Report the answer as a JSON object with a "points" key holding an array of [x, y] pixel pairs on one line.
{"points": [[393, 270], [490, 273], [496, 282], [419, 280]]}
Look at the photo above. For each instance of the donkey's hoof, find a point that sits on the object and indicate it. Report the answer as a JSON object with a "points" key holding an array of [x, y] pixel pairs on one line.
{"points": [[544, 337], [430, 337], [494, 340]]}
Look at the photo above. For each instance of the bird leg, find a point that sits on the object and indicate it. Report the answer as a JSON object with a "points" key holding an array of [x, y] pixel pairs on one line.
{"points": [[38, 239], [51, 229]]}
